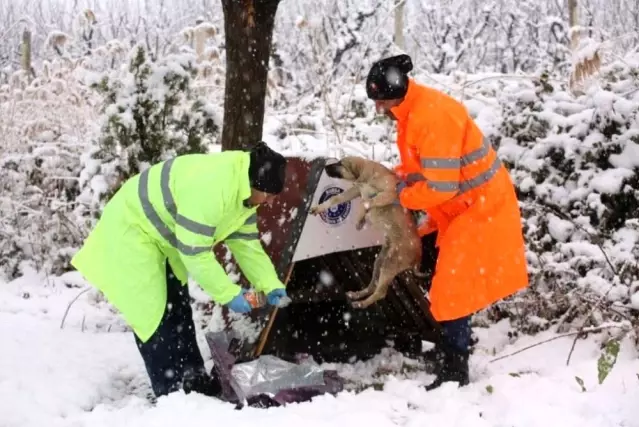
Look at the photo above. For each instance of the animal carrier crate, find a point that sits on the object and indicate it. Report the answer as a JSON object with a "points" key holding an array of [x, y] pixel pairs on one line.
{"points": [[322, 257]]}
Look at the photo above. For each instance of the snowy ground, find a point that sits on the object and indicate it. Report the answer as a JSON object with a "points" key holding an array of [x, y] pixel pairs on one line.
{"points": [[90, 374]]}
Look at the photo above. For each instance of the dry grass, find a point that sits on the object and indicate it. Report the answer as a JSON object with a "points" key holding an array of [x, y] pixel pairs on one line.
{"points": [[44, 109], [584, 69]]}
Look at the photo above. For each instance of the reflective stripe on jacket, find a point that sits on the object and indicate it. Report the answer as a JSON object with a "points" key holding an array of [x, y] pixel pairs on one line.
{"points": [[456, 177], [177, 210], [448, 177]]}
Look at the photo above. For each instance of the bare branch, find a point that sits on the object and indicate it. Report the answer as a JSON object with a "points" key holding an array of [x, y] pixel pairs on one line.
{"points": [[568, 334]]}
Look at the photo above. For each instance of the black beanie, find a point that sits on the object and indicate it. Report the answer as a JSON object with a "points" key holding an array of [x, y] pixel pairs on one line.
{"points": [[267, 170], [388, 79]]}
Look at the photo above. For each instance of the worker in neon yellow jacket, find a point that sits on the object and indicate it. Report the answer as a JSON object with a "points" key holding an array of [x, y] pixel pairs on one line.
{"points": [[159, 228]]}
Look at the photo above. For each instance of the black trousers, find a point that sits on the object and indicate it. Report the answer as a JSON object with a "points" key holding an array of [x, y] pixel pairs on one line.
{"points": [[457, 332], [172, 357]]}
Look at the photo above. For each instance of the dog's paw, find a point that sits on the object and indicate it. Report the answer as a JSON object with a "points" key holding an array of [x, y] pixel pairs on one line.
{"points": [[360, 224], [314, 210], [350, 295], [356, 304]]}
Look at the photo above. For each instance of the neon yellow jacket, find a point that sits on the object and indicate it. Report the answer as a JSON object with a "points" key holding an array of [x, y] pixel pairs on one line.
{"points": [[176, 210]]}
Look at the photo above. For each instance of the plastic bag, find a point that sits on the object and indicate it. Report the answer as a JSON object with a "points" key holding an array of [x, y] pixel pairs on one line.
{"points": [[267, 380], [270, 374]]}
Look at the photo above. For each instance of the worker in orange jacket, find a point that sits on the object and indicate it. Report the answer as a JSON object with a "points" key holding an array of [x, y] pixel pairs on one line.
{"points": [[450, 172]]}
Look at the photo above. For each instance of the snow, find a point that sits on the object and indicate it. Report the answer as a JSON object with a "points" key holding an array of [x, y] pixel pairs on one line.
{"points": [[610, 181], [86, 375], [560, 229], [629, 157]]}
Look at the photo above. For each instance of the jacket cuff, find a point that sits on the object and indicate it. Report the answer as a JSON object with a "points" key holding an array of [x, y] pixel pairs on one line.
{"points": [[269, 286], [223, 298]]}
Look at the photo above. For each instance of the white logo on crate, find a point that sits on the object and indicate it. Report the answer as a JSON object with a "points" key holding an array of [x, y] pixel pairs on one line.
{"points": [[336, 214], [319, 237]]}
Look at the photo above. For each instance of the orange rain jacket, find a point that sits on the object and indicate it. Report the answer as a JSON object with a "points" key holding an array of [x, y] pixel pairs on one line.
{"points": [[455, 176]]}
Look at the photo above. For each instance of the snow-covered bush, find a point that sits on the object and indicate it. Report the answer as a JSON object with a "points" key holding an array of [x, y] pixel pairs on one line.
{"points": [[150, 113], [46, 124], [575, 164]]}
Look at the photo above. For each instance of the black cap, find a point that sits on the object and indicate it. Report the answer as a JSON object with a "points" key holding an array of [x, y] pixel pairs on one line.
{"points": [[388, 78], [267, 170]]}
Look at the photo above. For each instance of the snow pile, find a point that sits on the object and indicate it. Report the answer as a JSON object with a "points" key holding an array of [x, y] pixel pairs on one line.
{"points": [[85, 374]]}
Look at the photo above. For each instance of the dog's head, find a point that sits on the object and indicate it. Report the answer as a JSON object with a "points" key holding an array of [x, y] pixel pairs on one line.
{"points": [[348, 168]]}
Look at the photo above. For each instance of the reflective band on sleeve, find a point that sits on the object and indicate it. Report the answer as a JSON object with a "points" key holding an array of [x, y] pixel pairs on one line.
{"points": [[480, 179], [435, 185], [192, 250], [443, 185], [251, 220], [248, 235], [445, 163], [473, 156], [157, 222], [456, 162], [238, 235]]}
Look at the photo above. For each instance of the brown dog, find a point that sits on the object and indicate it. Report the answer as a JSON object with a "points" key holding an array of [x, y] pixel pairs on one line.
{"points": [[402, 248]]}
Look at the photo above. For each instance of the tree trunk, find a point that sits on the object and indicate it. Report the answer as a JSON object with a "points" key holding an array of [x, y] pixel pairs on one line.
{"points": [[399, 26], [573, 21], [26, 54], [248, 28]]}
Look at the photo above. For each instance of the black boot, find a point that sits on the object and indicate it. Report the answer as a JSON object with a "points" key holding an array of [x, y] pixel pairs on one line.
{"points": [[201, 382], [453, 350], [433, 360], [451, 366]]}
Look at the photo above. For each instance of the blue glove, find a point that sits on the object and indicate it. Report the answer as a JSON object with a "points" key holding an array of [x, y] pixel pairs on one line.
{"points": [[239, 304], [400, 186], [275, 295]]}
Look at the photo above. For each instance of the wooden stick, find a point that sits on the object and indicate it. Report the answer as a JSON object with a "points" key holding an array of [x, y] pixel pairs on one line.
{"points": [[265, 333], [267, 330]]}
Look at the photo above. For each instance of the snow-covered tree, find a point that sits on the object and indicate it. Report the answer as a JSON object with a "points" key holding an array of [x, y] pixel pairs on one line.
{"points": [[151, 113]]}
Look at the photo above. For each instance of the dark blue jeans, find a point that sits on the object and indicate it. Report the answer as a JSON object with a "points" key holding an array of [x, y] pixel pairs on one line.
{"points": [[457, 334], [172, 353]]}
